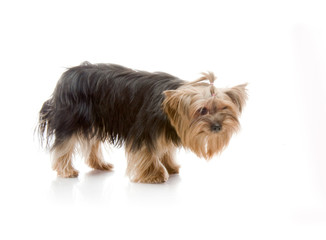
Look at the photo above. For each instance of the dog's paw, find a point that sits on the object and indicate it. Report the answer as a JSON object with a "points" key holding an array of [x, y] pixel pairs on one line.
{"points": [[104, 167], [68, 174], [160, 177], [174, 170]]}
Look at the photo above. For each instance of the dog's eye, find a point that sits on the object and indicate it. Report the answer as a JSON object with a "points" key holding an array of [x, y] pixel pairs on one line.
{"points": [[203, 111], [224, 108]]}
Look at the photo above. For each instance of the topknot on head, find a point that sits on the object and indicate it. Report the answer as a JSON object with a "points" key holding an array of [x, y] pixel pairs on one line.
{"points": [[211, 78], [206, 76]]}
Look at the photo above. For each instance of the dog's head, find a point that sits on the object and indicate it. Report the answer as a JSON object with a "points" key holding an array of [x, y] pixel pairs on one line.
{"points": [[203, 116]]}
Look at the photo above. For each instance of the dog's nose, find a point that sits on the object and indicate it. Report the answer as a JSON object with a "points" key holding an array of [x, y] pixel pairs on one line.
{"points": [[216, 127]]}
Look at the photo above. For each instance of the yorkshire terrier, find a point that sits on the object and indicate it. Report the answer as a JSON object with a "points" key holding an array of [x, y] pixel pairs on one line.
{"points": [[151, 114]]}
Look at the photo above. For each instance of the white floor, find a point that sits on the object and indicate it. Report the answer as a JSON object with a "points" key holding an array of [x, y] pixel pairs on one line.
{"points": [[270, 182]]}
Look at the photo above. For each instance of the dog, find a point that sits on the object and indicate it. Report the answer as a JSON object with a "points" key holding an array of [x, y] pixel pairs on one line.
{"points": [[151, 114]]}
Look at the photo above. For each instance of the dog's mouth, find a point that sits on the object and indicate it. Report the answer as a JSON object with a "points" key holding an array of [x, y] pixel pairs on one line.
{"points": [[211, 139]]}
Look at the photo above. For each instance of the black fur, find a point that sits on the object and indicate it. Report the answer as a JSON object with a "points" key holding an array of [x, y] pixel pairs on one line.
{"points": [[109, 102]]}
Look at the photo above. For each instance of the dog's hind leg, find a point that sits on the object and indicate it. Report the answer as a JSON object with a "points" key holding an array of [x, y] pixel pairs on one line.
{"points": [[62, 153], [95, 157]]}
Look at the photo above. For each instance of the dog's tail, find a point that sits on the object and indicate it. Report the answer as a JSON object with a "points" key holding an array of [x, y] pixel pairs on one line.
{"points": [[44, 128]]}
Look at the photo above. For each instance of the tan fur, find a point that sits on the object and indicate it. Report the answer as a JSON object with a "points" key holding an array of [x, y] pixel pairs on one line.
{"points": [[169, 163], [224, 106], [95, 158], [91, 152], [62, 159], [145, 166]]}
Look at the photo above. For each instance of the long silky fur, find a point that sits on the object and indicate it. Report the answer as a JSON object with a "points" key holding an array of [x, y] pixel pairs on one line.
{"points": [[110, 103]]}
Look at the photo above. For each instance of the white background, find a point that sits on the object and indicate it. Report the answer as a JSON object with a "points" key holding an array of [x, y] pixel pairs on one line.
{"points": [[270, 182]]}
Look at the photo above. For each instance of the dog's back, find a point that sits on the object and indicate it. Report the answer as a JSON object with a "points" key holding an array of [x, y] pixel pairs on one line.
{"points": [[108, 102]]}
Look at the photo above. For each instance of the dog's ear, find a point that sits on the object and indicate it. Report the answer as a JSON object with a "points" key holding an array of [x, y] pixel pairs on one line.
{"points": [[238, 95]]}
